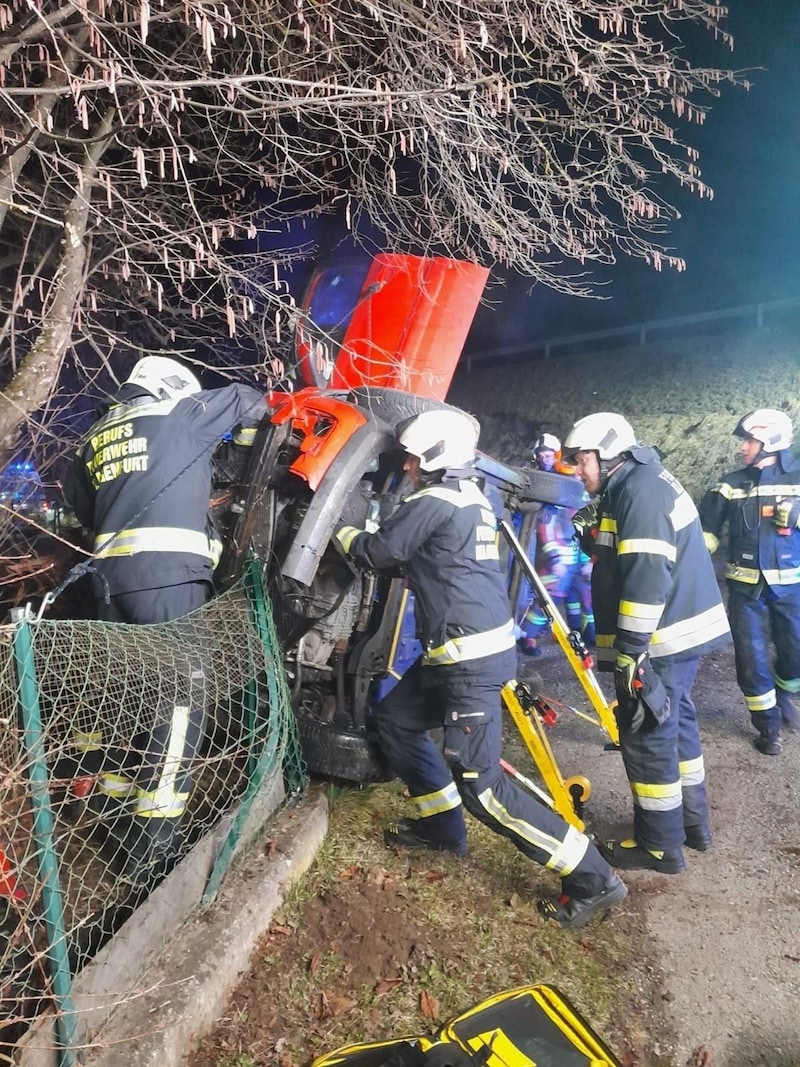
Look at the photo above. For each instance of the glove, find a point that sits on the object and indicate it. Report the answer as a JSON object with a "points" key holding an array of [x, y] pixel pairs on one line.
{"points": [[627, 676], [787, 513], [642, 701], [345, 536], [586, 522]]}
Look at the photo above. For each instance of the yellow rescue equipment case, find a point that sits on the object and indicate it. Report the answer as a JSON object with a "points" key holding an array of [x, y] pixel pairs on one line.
{"points": [[532, 1026]]}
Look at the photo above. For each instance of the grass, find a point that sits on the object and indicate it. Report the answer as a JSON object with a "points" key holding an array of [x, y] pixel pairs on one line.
{"points": [[372, 944]]}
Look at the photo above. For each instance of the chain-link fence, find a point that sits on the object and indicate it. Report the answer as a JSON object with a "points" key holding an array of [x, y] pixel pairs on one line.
{"points": [[121, 747]]}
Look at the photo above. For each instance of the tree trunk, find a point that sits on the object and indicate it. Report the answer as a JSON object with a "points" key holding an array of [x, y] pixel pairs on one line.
{"points": [[38, 372]]}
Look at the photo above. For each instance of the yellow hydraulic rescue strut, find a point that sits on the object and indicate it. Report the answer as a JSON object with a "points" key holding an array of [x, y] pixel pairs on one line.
{"points": [[530, 715], [570, 641]]}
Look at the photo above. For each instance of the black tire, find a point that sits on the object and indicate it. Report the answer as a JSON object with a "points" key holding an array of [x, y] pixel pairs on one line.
{"points": [[544, 487], [332, 752], [395, 406]]}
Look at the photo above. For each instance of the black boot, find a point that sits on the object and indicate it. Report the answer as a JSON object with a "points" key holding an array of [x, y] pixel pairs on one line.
{"points": [[408, 833], [152, 849], [769, 744]]}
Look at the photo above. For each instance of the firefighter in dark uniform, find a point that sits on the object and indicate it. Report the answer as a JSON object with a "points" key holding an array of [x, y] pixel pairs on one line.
{"points": [[444, 535], [658, 610], [760, 503], [141, 483]]}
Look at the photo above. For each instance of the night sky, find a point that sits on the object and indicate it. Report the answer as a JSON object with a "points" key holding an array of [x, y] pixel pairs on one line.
{"points": [[743, 246]]}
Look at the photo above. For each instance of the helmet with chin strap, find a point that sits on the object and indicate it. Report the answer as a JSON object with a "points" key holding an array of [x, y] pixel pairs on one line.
{"points": [[771, 428], [441, 439], [165, 378], [606, 433]]}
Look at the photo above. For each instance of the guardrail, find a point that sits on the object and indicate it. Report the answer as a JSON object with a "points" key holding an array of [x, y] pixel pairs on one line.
{"points": [[642, 331]]}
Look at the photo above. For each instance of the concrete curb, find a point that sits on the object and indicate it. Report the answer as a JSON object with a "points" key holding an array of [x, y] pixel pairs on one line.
{"points": [[186, 988]]}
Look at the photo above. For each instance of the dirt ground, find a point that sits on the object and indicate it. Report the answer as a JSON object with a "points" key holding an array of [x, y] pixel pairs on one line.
{"points": [[702, 968], [725, 934]]}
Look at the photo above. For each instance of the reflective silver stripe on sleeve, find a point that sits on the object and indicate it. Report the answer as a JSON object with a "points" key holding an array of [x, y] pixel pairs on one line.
{"points": [[651, 545], [689, 633]]}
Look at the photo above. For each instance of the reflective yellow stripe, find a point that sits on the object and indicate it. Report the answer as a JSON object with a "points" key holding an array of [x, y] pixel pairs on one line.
{"points": [[441, 800], [751, 575], [638, 618], [472, 646], [125, 412], [692, 771], [761, 701], [607, 525], [88, 740], [119, 786], [165, 802], [152, 539], [748, 575], [650, 545], [464, 496], [690, 633], [729, 493], [245, 436], [564, 855], [652, 797]]}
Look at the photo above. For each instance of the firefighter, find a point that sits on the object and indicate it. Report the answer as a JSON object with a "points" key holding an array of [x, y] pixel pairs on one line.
{"points": [[558, 561], [444, 535], [141, 482], [760, 503], [658, 610]]}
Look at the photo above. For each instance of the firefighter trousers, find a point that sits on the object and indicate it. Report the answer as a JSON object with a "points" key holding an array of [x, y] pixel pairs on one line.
{"points": [[665, 766], [155, 769], [755, 619], [467, 706]]}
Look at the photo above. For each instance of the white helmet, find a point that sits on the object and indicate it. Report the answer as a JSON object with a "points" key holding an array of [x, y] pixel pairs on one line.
{"points": [[604, 432], [546, 442], [165, 378], [772, 428], [441, 439]]}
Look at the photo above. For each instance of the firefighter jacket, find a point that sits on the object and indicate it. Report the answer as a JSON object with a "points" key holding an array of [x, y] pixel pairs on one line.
{"points": [[141, 482], [444, 536], [653, 585], [745, 500]]}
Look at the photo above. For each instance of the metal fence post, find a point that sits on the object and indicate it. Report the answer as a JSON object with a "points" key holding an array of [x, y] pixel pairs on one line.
{"points": [[46, 859]]}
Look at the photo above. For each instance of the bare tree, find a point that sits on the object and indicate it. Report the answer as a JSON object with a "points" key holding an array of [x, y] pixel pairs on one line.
{"points": [[145, 144]]}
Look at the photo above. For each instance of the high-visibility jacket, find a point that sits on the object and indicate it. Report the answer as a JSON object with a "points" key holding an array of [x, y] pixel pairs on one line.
{"points": [[653, 585], [745, 500], [445, 538], [555, 539], [141, 482]]}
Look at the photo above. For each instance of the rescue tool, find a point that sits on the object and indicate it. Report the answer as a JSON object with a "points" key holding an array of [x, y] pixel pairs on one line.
{"points": [[570, 642]]}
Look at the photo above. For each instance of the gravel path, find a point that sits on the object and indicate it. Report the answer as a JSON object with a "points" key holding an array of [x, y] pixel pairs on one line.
{"points": [[726, 932]]}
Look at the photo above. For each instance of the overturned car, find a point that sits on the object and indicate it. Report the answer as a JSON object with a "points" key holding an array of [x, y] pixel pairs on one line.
{"points": [[327, 455]]}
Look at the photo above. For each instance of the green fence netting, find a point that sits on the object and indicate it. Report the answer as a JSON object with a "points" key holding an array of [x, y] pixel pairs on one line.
{"points": [[78, 698]]}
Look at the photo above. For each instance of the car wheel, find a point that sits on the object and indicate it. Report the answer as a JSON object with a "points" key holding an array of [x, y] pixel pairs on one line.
{"points": [[332, 752], [544, 487], [395, 406]]}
